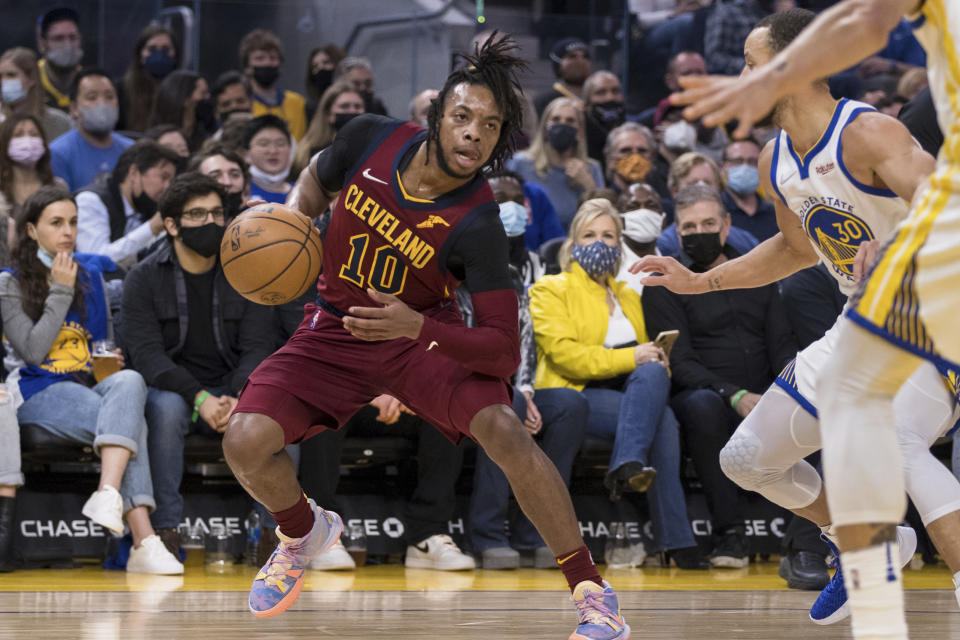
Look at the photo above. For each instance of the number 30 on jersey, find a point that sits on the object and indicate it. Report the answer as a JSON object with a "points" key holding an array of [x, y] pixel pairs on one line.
{"points": [[386, 272]]}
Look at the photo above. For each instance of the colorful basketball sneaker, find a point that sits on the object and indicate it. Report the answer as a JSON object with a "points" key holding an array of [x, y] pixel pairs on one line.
{"points": [[278, 584], [599, 609]]}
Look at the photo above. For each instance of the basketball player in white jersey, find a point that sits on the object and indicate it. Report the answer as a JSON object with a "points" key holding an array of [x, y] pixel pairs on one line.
{"points": [[904, 313], [833, 204]]}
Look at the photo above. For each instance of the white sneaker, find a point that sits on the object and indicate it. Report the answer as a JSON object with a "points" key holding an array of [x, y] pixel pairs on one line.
{"points": [[105, 507], [335, 559], [438, 552], [152, 557]]}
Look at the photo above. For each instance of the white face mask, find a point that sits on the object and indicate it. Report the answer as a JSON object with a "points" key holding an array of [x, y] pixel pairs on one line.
{"points": [[269, 179], [642, 225], [680, 135]]}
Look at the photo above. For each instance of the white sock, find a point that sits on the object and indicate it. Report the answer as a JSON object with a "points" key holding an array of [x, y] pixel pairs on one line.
{"points": [[875, 589], [956, 585], [906, 544]]}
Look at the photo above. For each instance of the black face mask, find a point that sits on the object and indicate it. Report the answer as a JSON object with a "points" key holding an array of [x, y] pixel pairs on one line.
{"points": [[703, 248], [609, 114], [205, 240], [562, 137], [144, 205], [341, 119], [266, 76], [367, 100], [206, 115], [322, 79], [232, 205]]}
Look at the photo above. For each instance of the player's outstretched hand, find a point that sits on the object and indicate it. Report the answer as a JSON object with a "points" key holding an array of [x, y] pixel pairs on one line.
{"points": [[674, 276], [866, 256], [389, 408], [393, 320], [719, 99]]}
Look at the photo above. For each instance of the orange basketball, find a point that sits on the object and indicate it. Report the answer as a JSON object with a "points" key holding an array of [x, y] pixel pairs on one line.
{"points": [[271, 254]]}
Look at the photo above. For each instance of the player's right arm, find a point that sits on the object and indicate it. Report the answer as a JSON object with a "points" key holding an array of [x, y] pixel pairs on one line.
{"points": [[308, 196], [774, 259]]}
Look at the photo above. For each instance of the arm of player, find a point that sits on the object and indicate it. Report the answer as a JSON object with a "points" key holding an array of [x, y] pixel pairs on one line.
{"points": [[309, 196], [839, 38], [774, 259]]}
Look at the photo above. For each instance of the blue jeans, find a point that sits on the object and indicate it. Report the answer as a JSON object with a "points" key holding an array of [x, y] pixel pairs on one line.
{"points": [[644, 429], [111, 413], [564, 414]]}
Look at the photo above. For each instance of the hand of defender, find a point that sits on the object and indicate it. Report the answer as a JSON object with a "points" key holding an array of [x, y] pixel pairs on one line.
{"points": [[865, 258], [674, 276], [393, 320], [389, 408], [719, 99]]}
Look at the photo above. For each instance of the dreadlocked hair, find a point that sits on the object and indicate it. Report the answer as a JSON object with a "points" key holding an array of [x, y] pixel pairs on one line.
{"points": [[493, 66]]}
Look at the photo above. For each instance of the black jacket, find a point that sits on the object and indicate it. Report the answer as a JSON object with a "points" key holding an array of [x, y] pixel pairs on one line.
{"points": [[154, 321], [109, 192], [729, 340]]}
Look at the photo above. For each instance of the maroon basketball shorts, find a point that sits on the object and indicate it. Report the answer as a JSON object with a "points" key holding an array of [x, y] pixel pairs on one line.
{"points": [[323, 375]]}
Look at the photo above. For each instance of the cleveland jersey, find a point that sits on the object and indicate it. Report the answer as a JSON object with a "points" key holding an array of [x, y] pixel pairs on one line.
{"points": [[837, 211], [383, 238]]}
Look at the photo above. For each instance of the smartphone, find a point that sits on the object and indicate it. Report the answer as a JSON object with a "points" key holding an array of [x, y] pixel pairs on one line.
{"points": [[666, 339]]}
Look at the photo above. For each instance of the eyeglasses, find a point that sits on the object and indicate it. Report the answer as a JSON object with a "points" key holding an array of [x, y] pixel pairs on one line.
{"points": [[200, 215]]}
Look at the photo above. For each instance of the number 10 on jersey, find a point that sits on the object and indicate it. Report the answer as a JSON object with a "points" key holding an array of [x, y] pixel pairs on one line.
{"points": [[386, 273]]}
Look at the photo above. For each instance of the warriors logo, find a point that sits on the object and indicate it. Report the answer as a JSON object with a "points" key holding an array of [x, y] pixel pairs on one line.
{"points": [[837, 234]]}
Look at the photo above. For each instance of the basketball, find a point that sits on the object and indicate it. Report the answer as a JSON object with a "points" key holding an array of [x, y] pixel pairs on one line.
{"points": [[271, 254]]}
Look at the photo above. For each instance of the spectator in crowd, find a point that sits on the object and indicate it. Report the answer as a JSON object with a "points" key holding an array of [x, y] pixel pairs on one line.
{"points": [[61, 46], [420, 106], [183, 100], [267, 144], [171, 137], [727, 28], [643, 217], [542, 222], [571, 66], [79, 155], [118, 214], [690, 169], [912, 82], [261, 55], [339, 105], [635, 146], [54, 308], [591, 337], [359, 73], [920, 117], [903, 53], [24, 168], [22, 94], [192, 336], [557, 159], [556, 418], [605, 110], [321, 64], [231, 97], [730, 348], [681, 64], [748, 211], [678, 136], [891, 105], [225, 165], [10, 478], [155, 56]]}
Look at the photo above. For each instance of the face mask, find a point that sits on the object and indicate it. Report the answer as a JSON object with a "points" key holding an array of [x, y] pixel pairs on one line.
{"points": [[633, 168], [322, 79], [206, 116], [642, 225], [233, 203], [341, 119], [26, 150], [144, 205], [609, 114], [367, 99], [703, 248], [65, 57], [266, 76], [562, 137], [45, 257], [743, 180], [596, 259], [680, 135], [12, 90], [159, 63], [99, 119], [513, 215], [204, 240], [269, 179]]}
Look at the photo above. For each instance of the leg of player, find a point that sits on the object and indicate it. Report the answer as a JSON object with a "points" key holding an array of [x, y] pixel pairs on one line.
{"points": [[542, 495], [253, 447], [861, 457]]}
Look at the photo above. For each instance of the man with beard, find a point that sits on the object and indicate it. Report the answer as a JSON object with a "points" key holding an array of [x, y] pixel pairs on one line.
{"points": [[261, 55], [843, 175], [605, 110], [571, 65], [413, 219], [61, 45]]}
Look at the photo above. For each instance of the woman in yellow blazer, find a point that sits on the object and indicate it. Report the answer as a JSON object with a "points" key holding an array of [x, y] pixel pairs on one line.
{"points": [[591, 337]]}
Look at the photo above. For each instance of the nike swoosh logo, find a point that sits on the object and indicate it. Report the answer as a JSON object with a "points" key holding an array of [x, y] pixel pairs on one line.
{"points": [[569, 557], [366, 174], [422, 548], [433, 343]]}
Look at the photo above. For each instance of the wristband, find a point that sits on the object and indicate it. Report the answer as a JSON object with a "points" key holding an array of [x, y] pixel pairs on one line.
{"points": [[199, 401], [735, 400]]}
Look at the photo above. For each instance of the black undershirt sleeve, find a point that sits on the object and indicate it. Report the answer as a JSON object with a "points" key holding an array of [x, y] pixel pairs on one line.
{"points": [[347, 148], [480, 257]]}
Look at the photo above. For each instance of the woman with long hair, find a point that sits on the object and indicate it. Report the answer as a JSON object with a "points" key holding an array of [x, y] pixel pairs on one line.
{"points": [[183, 100], [339, 104], [23, 95], [557, 158], [321, 64], [54, 309], [155, 55]]}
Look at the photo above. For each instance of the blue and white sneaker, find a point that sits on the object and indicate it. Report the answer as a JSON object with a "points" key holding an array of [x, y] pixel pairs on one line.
{"points": [[831, 605], [599, 609]]}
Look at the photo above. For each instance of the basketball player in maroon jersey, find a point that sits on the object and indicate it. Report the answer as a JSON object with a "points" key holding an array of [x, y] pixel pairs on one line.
{"points": [[413, 219]]}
